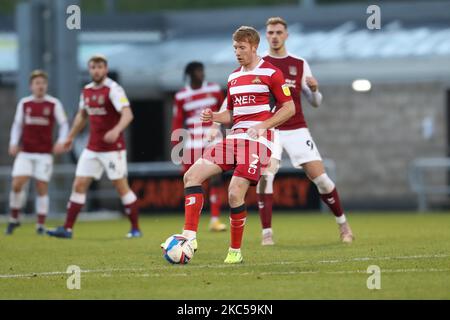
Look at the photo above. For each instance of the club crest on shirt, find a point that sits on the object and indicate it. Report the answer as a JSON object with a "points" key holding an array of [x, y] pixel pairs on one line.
{"points": [[257, 80], [293, 70], [46, 111], [101, 99]]}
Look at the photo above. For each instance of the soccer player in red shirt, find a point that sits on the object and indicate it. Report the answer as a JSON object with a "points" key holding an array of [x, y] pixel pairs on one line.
{"points": [[189, 102], [105, 104], [31, 144], [293, 135], [248, 145]]}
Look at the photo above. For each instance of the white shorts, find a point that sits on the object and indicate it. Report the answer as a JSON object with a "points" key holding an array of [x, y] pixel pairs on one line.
{"points": [[36, 165], [92, 164], [298, 144]]}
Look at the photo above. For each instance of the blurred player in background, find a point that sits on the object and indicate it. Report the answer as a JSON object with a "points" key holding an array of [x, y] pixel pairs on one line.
{"points": [[189, 103], [293, 135], [105, 104], [31, 143], [248, 145]]}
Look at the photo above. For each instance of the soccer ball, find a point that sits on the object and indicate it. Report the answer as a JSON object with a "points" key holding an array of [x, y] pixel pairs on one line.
{"points": [[178, 249]]}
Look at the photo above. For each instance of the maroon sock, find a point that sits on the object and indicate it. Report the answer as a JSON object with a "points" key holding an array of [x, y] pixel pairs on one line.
{"points": [[15, 213], [73, 209], [132, 212], [41, 218], [265, 204], [333, 202]]}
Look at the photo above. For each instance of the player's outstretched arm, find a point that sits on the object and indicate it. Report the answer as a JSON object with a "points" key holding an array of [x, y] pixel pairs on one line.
{"points": [[283, 114], [126, 116]]}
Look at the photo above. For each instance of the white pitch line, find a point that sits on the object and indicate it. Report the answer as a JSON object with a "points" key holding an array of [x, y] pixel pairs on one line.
{"points": [[222, 266], [283, 273]]}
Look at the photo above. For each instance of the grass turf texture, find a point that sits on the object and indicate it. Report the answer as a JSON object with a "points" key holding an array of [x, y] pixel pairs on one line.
{"points": [[307, 262]]}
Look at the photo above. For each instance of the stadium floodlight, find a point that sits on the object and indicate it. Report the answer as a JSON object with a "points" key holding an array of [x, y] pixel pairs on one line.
{"points": [[361, 85]]}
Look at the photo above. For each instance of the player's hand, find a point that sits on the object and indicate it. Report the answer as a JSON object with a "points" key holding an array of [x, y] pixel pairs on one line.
{"points": [[312, 84], [67, 144], [59, 148], [206, 115], [111, 136], [212, 133], [255, 132], [13, 150]]}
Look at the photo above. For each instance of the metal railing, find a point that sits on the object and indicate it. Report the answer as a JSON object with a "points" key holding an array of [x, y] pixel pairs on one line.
{"points": [[418, 179]]}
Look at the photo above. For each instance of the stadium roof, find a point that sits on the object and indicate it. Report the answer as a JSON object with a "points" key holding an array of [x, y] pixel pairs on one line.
{"points": [[149, 61]]}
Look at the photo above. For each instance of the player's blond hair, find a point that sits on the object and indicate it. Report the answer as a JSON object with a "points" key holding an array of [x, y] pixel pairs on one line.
{"points": [[98, 58], [248, 34], [276, 20], [38, 74]]}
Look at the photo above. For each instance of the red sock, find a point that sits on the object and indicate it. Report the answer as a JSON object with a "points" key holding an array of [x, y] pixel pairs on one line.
{"points": [[265, 203], [132, 212], [15, 213], [41, 218], [73, 209], [333, 202], [237, 223], [214, 201], [192, 207]]}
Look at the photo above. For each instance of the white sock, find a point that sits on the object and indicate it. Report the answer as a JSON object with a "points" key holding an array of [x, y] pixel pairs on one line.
{"points": [[341, 219], [266, 231], [42, 204], [214, 219], [234, 250]]}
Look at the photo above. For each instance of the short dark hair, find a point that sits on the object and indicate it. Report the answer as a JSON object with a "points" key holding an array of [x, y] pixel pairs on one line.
{"points": [[191, 67], [38, 74]]}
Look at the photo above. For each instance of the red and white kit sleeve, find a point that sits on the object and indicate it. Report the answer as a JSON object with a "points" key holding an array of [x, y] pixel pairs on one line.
{"points": [[16, 129], [314, 98], [61, 119], [279, 89], [118, 97]]}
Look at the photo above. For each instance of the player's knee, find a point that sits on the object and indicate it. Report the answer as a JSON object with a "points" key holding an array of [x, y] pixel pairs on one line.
{"points": [[265, 184], [17, 185], [80, 185], [324, 184], [235, 196], [191, 178]]}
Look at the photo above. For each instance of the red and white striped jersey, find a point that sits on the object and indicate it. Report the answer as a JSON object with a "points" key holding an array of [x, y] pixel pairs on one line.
{"points": [[249, 94], [188, 105]]}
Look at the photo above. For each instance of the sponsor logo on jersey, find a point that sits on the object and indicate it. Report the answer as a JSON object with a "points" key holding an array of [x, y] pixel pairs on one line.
{"points": [[96, 111], [257, 80], [37, 121], [286, 90], [293, 70], [241, 100]]}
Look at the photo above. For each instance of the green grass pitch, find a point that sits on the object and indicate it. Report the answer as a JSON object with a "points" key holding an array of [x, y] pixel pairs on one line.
{"points": [[307, 262]]}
